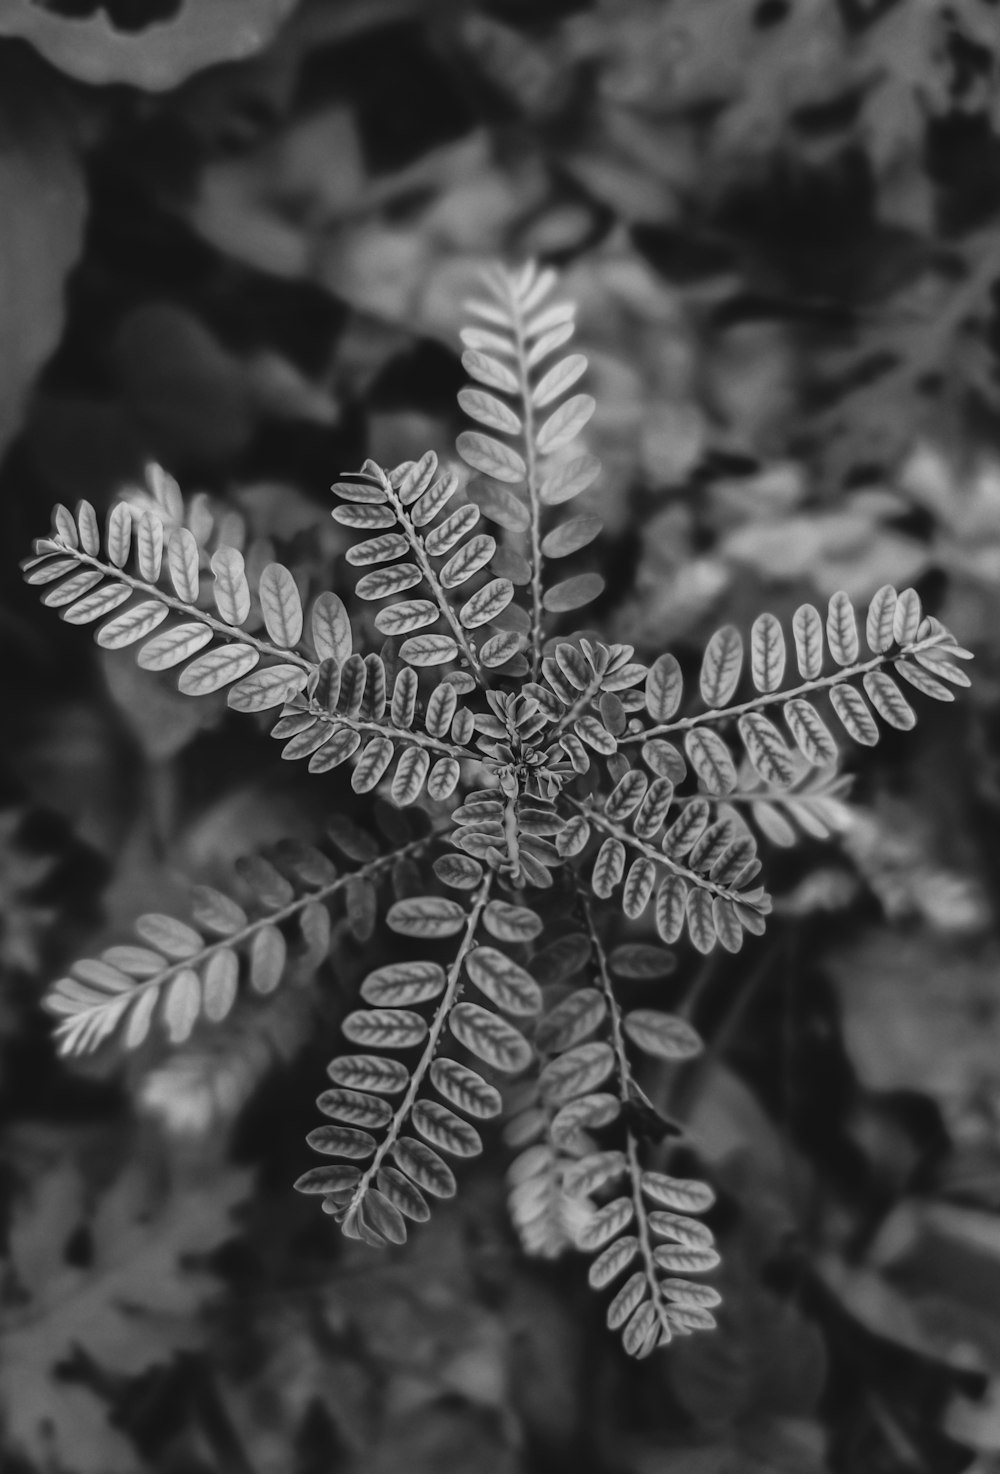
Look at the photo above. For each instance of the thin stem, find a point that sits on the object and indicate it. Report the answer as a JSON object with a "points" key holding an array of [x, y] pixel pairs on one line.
{"points": [[213, 1417], [687, 1086], [578, 708], [72, 1025], [511, 835], [631, 1144], [190, 611], [929, 336], [452, 992], [773, 698], [786, 797], [396, 734], [642, 1234], [534, 500], [614, 1012]]}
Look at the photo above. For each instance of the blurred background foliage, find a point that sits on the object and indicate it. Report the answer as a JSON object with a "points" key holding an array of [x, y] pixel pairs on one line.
{"points": [[236, 236]]}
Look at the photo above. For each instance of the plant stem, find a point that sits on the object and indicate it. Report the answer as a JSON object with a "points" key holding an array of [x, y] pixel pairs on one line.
{"points": [[405, 735], [631, 1145], [534, 501], [578, 708]]}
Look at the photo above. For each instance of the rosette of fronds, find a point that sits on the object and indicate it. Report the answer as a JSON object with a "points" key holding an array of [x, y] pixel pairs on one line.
{"points": [[564, 785]]}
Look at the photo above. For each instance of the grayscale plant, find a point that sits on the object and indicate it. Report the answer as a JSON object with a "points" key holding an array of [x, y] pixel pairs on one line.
{"points": [[554, 782]]}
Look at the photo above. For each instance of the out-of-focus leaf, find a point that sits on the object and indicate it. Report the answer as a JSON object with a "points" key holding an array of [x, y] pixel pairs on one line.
{"points": [[756, 1382], [976, 1423], [73, 766], [930, 1282], [163, 721], [899, 851], [202, 33], [267, 207], [134, 1306], [24, 918], [43, 206], [197, 1090], [855, 548], [768, 1446], [279, 389], [743, 1144], [298, 1373], [914, 1010], [524, 72], [186, 392]]}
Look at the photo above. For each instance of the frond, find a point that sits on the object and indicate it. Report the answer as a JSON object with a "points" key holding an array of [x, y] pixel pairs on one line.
{"points": [[613, 1192], [521, 395], [557, 1108], [900, 640], [349, 708], [258, 642], [814, 804], [572, 1184], [567, 1185], [643, 1222], [179, 973], [404, 1143], [148, 584], [419, 545], [699, 871], [541, 1212]]}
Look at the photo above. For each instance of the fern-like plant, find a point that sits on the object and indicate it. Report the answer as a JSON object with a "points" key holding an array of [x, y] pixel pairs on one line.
{"points": [[557, 780]]}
